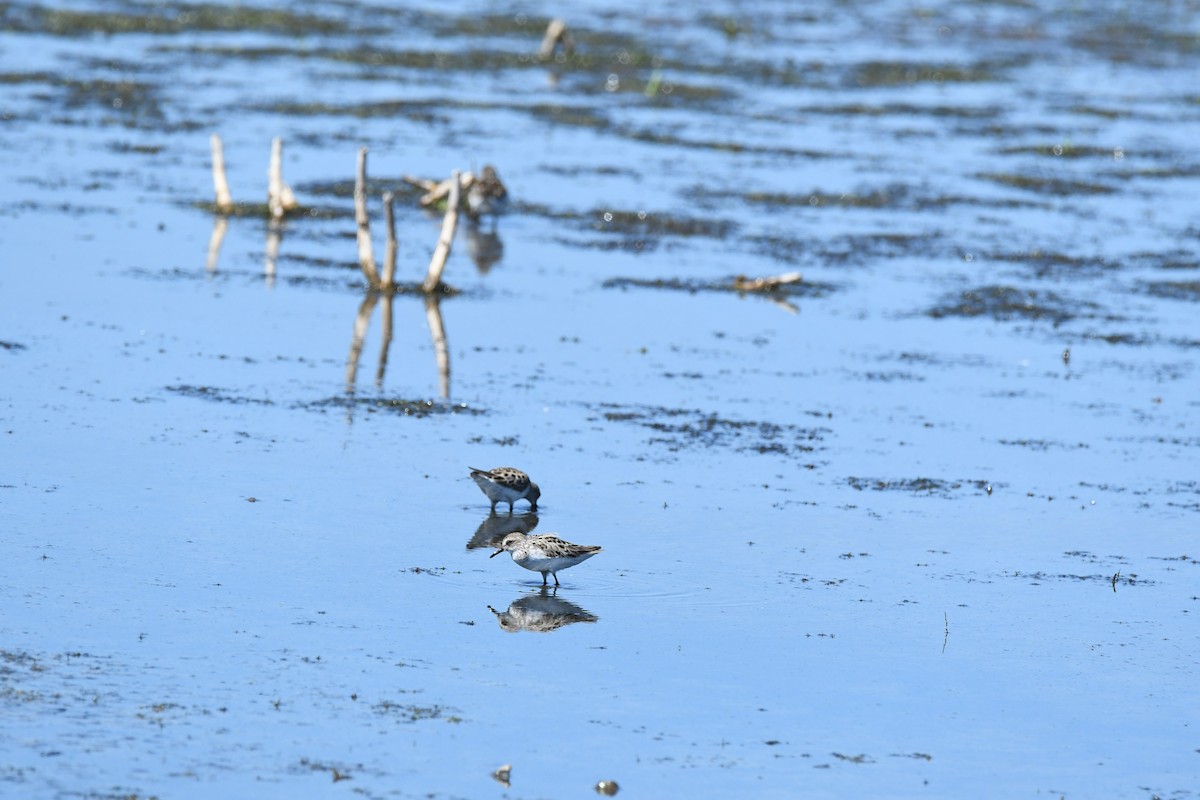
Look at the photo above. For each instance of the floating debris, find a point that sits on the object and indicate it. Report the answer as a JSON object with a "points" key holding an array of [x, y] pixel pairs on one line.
{"points": [[772, 284], [502, 775], [790, 284], [607, 788]]}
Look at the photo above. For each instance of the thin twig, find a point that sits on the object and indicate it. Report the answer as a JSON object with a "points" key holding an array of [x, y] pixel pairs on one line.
{"points": [[449, 224], [389, 257], [366, 256], [424, 184], [220, 182]]}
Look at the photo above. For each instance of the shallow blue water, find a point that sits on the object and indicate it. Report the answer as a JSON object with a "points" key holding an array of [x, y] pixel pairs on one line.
{"points": [[806, 584]]}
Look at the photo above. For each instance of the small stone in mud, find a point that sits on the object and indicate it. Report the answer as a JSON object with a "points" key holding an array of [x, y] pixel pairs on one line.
{"points": [[607, 788], [502, 774], [251, 499]]}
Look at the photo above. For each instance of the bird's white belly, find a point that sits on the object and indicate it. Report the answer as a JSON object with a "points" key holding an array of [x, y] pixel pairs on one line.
{"points": [[538, 562]]}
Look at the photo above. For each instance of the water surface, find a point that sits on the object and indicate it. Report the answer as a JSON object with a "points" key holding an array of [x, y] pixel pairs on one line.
{"points": [[920, 523]]}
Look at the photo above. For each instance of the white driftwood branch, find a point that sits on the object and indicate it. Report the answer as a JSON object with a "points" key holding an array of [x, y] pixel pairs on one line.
{"points": [[441, 190], [556, 34], [744, 284], [220, 182], [366, 256], [449, 224], [424, 184]]}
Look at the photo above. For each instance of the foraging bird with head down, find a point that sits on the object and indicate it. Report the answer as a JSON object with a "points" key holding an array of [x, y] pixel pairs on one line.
{"points": [[506, 485], [487, 194]]}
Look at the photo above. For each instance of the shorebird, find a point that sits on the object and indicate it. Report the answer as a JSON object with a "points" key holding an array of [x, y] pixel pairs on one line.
{"points": [[506, 485], [487, 194], [544, 553]]}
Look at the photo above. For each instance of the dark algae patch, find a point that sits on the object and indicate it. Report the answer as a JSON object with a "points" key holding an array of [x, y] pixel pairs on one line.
{"points": [[1175, 290], [392, 405], [1009, 302], [1041, 184], [138, 18], [1043, 263], [678, 429], [215, 395], [874, 74], [918, 486]]}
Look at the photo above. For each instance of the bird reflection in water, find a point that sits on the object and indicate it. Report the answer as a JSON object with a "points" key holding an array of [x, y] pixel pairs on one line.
{"points": [[541, 613], [484, 246], [495, 527], [486, 200]]}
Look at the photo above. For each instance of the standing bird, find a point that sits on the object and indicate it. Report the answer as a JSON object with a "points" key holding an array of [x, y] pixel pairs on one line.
{"points": [[487, 194], [544, 553], [506, 485]]}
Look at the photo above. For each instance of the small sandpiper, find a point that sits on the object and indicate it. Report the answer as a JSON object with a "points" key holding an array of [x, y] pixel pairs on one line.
{"points": [[506, 485], [487, 194], [544, 553]]}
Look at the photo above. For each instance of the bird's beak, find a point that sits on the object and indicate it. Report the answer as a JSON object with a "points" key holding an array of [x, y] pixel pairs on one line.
{"points": [[498, 552]]}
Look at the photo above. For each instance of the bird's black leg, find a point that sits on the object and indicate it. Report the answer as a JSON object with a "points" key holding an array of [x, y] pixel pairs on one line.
{"points": [[544, 578], [556, 583]]}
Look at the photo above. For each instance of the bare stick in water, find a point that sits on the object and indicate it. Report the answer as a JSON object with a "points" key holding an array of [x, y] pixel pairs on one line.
{"points": [[556, 33], [440, 191], [446, 239], [366, 256], [220, 182], [424, 184], [389, 257]]}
